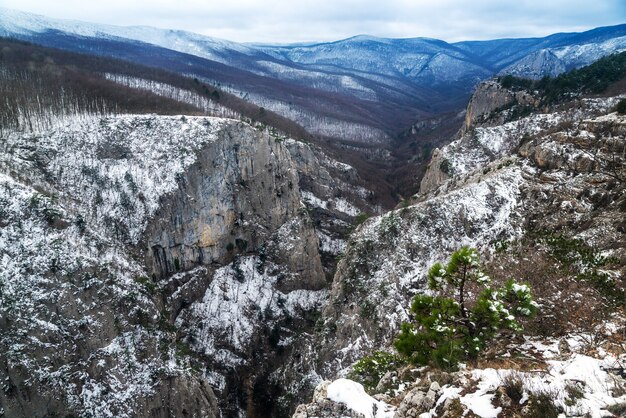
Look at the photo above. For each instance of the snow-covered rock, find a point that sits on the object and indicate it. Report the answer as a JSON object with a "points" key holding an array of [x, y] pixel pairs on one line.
{"points": [[128, 242], [548, 173]]}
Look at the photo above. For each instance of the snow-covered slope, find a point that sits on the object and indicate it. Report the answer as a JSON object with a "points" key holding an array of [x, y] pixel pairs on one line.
{"points": [[553, 61], [410, 58], [482, 202], [14, 22], [531, 195], [143, 257], [575, 385], [81, 329]]}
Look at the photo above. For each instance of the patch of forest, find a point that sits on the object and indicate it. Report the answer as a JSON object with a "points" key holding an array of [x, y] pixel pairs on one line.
{"points": [[39, 84]]}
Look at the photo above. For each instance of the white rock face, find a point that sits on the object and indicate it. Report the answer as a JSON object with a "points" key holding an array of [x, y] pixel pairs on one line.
{"points": [[484, 144], [241, 299], [386, 260]]}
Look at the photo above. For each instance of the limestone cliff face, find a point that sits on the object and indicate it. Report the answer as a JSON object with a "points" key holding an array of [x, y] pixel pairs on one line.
{"points": [[488, 98], [82, 327], [241, 190], [488, 107], [437, 172], [334, 195], [150, 262], [237, 256]]}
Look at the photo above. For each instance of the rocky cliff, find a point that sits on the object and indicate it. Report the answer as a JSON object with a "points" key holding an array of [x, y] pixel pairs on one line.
{"points": [[491, 105], [83, 326], [334, 195], [184, 266], [233, 200], [149, 261], [533, 195], [492, 195], [489, 100]]}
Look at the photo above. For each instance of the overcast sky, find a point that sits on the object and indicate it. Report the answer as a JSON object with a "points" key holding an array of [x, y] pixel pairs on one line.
{"points": [[282, 21]]}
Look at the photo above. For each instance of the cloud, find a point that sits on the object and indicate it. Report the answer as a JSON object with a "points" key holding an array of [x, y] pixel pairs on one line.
{"points": [[323, 20]]}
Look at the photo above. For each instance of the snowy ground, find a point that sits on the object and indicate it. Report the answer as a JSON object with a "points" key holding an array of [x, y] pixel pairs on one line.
{"points": [[580, 385]]}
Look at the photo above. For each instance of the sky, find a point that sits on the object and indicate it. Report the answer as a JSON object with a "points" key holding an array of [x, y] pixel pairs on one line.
{"points": [[288, 21]]}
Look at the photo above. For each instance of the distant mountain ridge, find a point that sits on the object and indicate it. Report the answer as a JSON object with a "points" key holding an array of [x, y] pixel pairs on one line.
{"points": [[348, 85], [495, 54]]}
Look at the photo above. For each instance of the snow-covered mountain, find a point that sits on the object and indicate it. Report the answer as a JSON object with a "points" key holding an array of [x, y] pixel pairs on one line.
{"points": [[159, 265], [542, 198], [21, 24], [411, 57], [361, 88], [406, 58]]}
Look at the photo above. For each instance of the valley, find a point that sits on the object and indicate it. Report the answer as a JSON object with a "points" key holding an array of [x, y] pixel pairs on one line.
{"points": [[197, 227]]}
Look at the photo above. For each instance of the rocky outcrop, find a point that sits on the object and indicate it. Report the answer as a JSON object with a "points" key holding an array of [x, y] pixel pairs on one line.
{"points": [[239, 192], [323, 407], [418, 401], [488, 107], [489, 100], [438, 171], [487, 392], [188, 248], [334, 195], [175, 396], [81, 332], [557, 171], [387, 258], [239, 257]]}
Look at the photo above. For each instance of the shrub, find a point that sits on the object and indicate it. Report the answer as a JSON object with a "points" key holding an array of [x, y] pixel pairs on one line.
{"points": [[574, 393], [367, 309], [148, 284], [621, 107], [542, 405], [449, 328], [389, 226], [586, 263], [513, 387], [360, 218], [618, 409], [370, 369], [446, 167], [238, 272]]}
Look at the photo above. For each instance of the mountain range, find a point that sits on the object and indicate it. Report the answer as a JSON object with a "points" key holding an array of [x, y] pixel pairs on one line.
{"points": [[192, 227], [157, 265], [361, 89]]}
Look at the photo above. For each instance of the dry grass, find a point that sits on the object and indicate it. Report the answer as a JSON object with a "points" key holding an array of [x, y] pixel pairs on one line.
{"points": [[567, 305], [521, 362]]}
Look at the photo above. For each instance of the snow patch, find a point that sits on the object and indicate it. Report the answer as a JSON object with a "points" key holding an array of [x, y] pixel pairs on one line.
{"points": [[354, 397]]}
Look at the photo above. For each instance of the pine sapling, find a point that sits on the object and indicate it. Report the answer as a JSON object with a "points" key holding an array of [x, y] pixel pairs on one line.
{"points": [[463, 313]]}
